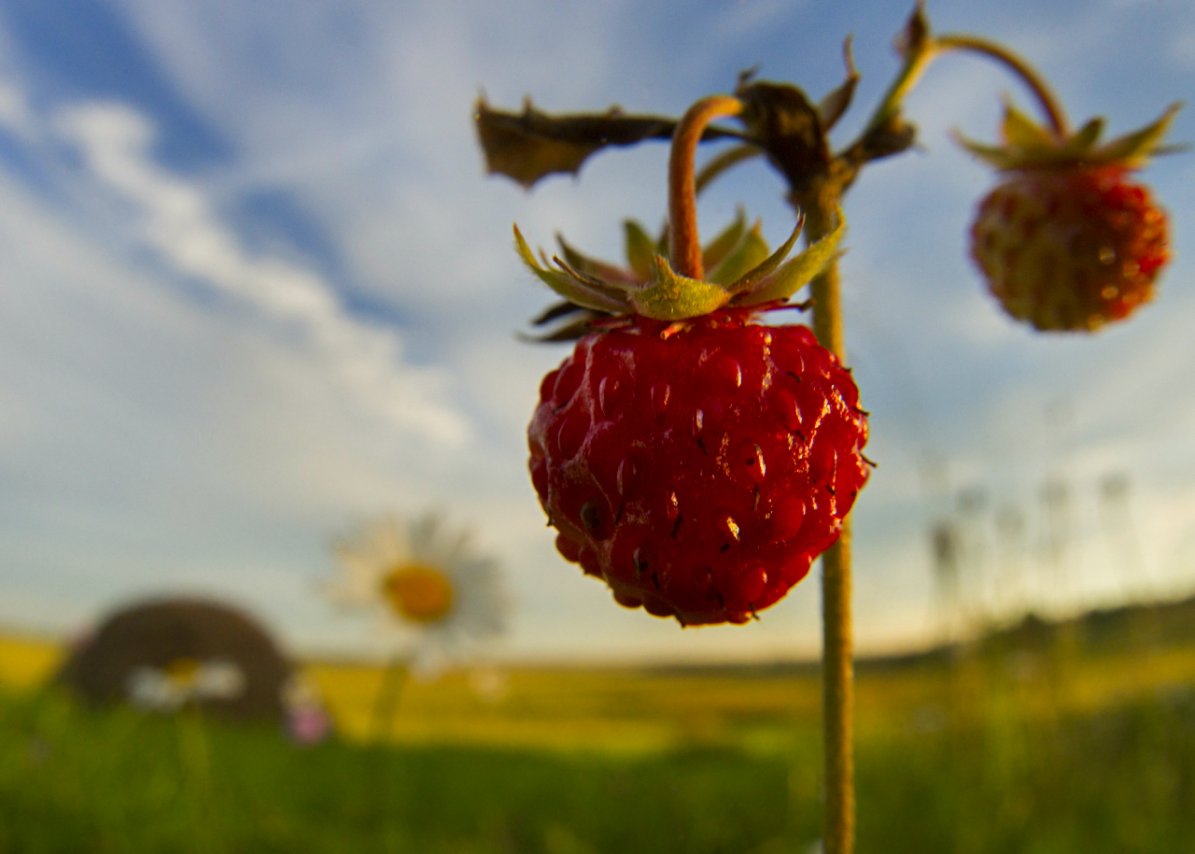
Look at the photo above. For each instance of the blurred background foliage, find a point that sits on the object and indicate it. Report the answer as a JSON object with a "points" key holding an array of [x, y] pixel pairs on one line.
{"points": [[1039, 737]]}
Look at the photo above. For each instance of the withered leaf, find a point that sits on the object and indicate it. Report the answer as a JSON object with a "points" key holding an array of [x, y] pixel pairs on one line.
{"points": [[530, 145], [785, 124], [834, 104], [572, 322]]}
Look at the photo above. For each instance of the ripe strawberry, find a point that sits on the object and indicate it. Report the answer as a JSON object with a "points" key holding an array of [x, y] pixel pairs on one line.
{"points": [[699, 467], [697, 461], [1066, 241], [1068, 247]]}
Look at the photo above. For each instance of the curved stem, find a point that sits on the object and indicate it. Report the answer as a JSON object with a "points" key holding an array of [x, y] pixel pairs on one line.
{"points": [[1035, 82], [918, 59], [684, 245]]}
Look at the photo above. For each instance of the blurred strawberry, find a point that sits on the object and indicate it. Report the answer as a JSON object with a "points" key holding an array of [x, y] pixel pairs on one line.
{"points": [[1067, 240]]}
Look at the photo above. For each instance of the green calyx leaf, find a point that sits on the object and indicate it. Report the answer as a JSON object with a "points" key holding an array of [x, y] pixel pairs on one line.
{"points": [[1134, 149], [575, 287], [1021, 132], [592, 268], [671, 296], [793, 275], [750, 251], [744, 273], [640, 249], [748, 283], [728, 241], [1029, 144]]}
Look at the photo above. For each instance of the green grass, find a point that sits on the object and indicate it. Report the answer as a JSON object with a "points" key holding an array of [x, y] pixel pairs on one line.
{"points": [[1119, 779], [121, 781], [1031, 743]]}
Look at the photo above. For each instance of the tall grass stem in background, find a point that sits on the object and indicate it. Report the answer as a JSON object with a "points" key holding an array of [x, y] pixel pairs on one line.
{"points": [[389, 694]]}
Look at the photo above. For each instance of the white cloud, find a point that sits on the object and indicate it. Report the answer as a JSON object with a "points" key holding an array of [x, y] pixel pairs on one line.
{"points": [[175, 218], [14, 110], [365, 118]]}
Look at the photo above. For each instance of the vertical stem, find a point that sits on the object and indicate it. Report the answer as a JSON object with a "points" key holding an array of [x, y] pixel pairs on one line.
{"points": [[684, 249], [385, 704], [838, 700], [838, 695], [381, 767]]}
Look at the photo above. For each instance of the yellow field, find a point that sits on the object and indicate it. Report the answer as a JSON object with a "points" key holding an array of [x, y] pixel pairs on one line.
{"points": [[636, 710], [27, 661], [573, 708], [551, 707]]}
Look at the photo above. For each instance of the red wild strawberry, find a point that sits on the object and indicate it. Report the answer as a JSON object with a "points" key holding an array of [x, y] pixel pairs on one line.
{"points": [[1066, 241], [691, 456], [699, 467]]}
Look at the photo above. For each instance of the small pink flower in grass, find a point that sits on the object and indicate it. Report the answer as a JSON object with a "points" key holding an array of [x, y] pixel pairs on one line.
{"points": [[307, 721]]}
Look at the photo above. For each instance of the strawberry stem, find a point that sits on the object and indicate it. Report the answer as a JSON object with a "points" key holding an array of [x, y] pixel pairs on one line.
{"points": [[1046, 99], [684, 244], [919, 48], [838, 675]]}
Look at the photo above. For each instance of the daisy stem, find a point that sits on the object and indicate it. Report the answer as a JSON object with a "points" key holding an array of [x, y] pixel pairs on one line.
{"points": [[385, 706], [838, 690], [684, 244]]}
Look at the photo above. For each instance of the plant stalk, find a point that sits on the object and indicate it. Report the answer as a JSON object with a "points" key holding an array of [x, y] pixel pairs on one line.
{"points": [[919, 56], [385, 705], [838, 687]]}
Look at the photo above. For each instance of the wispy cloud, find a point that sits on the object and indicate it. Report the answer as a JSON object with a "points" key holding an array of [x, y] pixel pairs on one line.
{"points": [[14, 111], [175, 218]]}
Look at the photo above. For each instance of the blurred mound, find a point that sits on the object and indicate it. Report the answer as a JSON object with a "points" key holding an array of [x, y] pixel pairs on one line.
{"points": [[169, 653]]}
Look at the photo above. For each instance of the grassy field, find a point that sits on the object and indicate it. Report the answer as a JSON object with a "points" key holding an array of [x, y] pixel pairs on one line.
{"points": [[1076, 740]]}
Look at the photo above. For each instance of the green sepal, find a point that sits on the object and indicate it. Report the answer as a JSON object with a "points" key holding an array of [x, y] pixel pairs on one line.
{"points": [[1085, 138], [1028, 144], [747, 283], [588, 293], [751, 251], [746, 275], [993, 155], [1134, 149], [726, 242], [671, 296], [592, 267], [1020, 131], [640, 249], [799, 271]]}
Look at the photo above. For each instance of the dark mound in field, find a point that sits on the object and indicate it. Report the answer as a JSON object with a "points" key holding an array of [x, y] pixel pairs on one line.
{"points": [[171, 653]]}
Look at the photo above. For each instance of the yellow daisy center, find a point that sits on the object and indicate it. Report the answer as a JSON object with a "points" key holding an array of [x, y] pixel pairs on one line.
{"points": [[419, 592], [181, 672]]}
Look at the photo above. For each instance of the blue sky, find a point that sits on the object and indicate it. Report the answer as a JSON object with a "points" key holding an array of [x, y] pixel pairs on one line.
{"points": [[256, 288]]}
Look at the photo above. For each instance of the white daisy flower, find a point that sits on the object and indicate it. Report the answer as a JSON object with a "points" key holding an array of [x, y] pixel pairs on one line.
{"points": [[184, 681], [425, 579]]}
